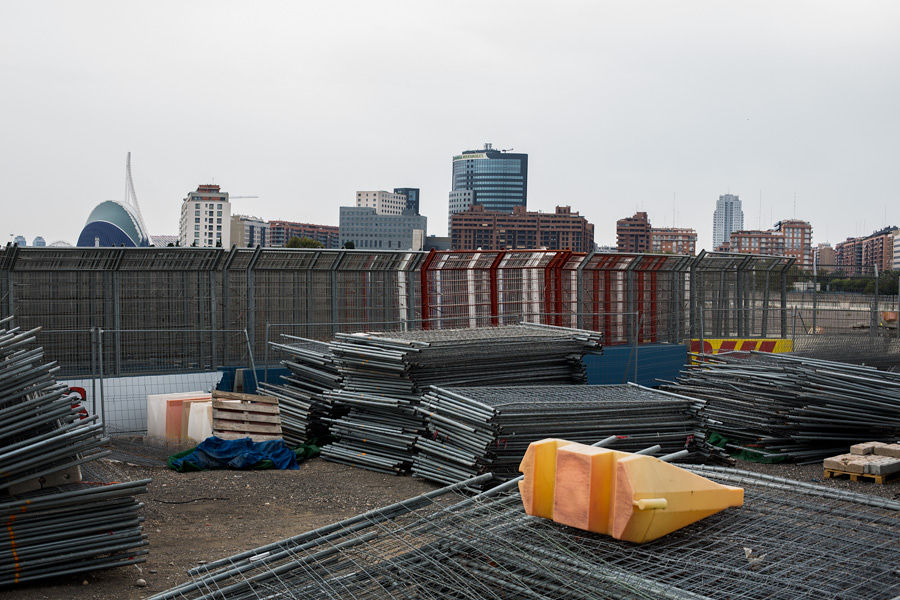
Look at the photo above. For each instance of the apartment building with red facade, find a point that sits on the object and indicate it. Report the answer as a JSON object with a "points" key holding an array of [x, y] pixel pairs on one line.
{"points": [[673, 240], [857, 255], [562, 229], [790, 237]]}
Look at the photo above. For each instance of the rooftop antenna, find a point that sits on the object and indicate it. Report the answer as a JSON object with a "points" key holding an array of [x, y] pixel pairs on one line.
{"points": [[759, 214], [673, 209]]}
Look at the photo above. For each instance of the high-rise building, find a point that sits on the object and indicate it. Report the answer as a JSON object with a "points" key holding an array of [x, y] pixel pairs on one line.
{"points": [[20, 241], [727, 218], [412, 199], [495, 179], [797, 240], [633, 233], [365, 228], [39, 242], [560, 230], [857, 256], [248, 232], [205, 218], [280, 232], [673, 240]]}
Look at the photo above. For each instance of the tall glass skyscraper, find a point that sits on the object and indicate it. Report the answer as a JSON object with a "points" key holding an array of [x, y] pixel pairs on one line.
{"points": [[495, 179], [727, 218]]}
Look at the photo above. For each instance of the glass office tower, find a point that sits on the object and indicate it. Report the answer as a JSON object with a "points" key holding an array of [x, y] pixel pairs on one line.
{"points": [[495, 179]]}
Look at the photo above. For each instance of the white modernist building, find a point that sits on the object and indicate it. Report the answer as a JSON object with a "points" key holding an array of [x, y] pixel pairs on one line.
{"points": [[205, 219], [384, 203]]}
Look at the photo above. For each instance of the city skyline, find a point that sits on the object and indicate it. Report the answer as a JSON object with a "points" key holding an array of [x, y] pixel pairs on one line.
{"points": [[303, 119]]}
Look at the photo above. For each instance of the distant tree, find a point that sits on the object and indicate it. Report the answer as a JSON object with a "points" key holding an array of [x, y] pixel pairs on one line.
{"points": [[170, 245], [349, 245], [303, 242]]}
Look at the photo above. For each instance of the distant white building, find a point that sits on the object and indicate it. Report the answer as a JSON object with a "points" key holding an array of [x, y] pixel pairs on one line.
{"points": [[727, 218], [205, 218], [384, 203], [897, 250]]}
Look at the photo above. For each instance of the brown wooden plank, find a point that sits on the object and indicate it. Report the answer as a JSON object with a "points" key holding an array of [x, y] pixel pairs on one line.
{"points": [[249, 427], [244, 397], [271, 409], [234, 415], [256, 437]]}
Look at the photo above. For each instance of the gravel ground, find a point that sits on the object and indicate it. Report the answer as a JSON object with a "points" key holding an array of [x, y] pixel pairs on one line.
{"points": [[195, 517]]}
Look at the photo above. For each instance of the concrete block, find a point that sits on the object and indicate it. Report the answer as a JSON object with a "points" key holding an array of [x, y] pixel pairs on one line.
{"points": [[849, 463], [892, 450], [865, 448], [882, 465]]}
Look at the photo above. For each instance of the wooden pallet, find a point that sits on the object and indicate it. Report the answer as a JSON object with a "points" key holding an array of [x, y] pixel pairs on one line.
{"points": [[833, 473], [236, 416]]}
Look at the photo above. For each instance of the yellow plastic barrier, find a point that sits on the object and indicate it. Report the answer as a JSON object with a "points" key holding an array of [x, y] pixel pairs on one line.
{"points": [[631, 497]]}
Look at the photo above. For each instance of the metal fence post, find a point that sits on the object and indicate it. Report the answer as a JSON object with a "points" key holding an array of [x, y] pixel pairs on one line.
{"points": [[100, 372], [815, 299], [875, 319], [266, 355], [794, 325], [93, 370], [639, 319], [250, 357]]}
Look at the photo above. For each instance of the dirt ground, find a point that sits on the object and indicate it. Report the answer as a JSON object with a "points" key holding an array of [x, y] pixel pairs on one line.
{"points": [[196, 517]]}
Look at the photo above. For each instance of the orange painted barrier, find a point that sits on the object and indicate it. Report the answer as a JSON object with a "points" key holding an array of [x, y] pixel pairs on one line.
{"points": [[630, 497]]}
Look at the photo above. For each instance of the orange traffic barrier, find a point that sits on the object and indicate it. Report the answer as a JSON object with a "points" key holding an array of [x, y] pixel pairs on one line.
{"points": [[630, 497]]}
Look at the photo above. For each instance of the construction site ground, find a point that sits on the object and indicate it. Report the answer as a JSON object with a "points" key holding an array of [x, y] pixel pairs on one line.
{"points": [[197, 517]]}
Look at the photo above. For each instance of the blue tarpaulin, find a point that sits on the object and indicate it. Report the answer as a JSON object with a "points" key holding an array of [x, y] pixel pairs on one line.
{"points": [[216, 453]]}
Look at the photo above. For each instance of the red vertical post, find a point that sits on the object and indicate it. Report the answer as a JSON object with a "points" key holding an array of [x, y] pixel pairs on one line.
{"points": [[607, 302], [654, 318], [639, 306], [495, 289], [558, 277], [548, 291], [424, 292], [595, 299]]}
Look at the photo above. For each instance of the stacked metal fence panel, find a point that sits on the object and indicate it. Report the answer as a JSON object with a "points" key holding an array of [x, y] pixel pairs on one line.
{"points": [[475, 430], [44, 438], [789, 540], [384, 377], [785, 407], [303, 401]]}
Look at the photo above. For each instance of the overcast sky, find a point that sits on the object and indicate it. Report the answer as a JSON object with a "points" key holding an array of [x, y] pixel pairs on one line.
{"points": [[657, 106]]}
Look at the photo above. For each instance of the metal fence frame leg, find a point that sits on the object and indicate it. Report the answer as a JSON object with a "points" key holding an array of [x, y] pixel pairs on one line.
{"points": [[250, 358], [100, 371]]}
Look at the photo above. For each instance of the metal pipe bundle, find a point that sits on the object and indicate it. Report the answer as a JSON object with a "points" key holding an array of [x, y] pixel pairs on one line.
{"points": [[474, 430], [385, 377], [787, 541], [71, 529], [784, 407], [302, 401], [55, 526]]}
